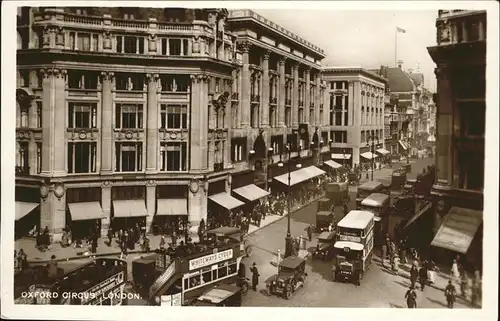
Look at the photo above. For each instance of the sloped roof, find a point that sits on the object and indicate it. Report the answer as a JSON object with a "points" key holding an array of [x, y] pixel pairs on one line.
{"points": [[399, 81], [418, 78]]}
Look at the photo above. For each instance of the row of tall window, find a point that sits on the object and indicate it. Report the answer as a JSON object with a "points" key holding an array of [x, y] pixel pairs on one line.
{"points": [[23, 163], [371, 117], [23, 116], [339, 113], [365, 135], [127, 116]]}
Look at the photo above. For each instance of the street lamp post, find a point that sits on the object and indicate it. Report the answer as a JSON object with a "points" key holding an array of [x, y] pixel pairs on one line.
{"points": [[288, 238], [372, 142]]}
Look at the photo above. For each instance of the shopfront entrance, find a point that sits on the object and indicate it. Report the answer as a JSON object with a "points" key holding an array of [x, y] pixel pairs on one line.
{"points": [[128, 208], [83, 212]]}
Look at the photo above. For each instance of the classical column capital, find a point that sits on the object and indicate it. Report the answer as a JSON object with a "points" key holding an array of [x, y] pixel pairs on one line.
{"points": [[56, 72], [282, 60], [244, 46], [294, 65], [151, 78], [266, 54], [199, 78], [107, 75]]}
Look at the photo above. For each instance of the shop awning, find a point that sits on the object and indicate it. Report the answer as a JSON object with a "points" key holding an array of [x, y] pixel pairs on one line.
{"points": [[129, 208], [333, 164], [300, 175], [369, 155], [403, 144], [172, 206], [251, 192], [85, 211], [383, 151], [225, 200], [341, 156], [24, 208], [458, 229], [431, 139], [418, 213]]}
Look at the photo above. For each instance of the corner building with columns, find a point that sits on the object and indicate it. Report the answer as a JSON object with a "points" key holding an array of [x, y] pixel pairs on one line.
{"points": [[132, 116]]}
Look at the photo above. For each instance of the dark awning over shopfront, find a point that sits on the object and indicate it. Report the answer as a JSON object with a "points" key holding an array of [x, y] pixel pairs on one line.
{"points": [[251, 192], [340, 156], [458, 229], [24, 208], [300, 175], [419, 211], [129, 208], [172, 206], [333, 164], [85, 211], [226, 200], [369, 155], [383, 151]]}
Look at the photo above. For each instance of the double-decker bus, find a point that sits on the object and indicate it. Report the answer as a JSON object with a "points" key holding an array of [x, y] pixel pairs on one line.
{"points": [[184, 275], [354, 245], [98, 282]]}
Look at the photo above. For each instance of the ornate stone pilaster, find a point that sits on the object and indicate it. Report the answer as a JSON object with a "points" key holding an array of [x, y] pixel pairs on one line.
{"points": [[106, 206], [295, 95], [53, 208], [152, 124], [265, 90], [307, 95], [150, 204], [199, 124], [282, 93], [107, 147], [245, 85], [444, 125]]}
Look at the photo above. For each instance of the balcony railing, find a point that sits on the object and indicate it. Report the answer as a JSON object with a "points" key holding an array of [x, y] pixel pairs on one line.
{"points": [[22, 170], [218, 167]]}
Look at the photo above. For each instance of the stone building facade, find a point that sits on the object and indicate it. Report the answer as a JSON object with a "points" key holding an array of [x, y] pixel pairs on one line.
{"points": [[125, 115], [356, 103], [460, 57]]}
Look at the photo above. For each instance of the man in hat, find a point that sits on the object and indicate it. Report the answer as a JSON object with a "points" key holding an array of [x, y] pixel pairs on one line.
{"points": [[411, 298], [309, 232], [255, 276], [450, 293]]}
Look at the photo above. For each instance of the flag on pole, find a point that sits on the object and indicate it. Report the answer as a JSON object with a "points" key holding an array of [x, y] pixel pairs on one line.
{"points": [[400, 30]]}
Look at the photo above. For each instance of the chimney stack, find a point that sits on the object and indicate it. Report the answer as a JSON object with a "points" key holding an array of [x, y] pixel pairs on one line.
{"points": [[400, 64]]}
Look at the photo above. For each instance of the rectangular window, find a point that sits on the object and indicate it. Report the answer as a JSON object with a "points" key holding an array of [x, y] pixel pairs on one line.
{"points": [[324, 138], [82, 80], [39, 114], [338, 118], [128, 157], [288, 116], [173, 156], [129, 116], [82, 157], [83, 41], [173, 116], [175, 83], [321, 117], [82, 115], [130, 45], [174, 47], [277, 144], [340, 136], [238, 149], [38, 158]]}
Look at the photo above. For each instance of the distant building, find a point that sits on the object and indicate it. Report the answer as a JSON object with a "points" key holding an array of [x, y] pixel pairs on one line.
{"points": [[356, 112], [460, 57]]}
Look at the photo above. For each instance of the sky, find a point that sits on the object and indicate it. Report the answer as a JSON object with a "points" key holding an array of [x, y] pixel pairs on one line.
{"points": [[365, 38]]}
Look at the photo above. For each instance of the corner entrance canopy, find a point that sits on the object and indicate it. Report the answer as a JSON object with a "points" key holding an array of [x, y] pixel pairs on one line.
{"points": [[333, 164], [172, 206], [369, 155], [340, 156], [300, 175], [85, 211], [383, 151], [226, 200], [24, 208], [458, 229], [129, 208], [403, 144], [251, 192]]}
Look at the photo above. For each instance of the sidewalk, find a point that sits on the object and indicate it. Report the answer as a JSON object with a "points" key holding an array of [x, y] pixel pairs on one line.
{"points": [[70, 253]]}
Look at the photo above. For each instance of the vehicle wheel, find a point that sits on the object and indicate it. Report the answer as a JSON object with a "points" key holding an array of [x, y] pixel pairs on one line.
{"points": [[244, 288], [248, 250], [287, 294]]}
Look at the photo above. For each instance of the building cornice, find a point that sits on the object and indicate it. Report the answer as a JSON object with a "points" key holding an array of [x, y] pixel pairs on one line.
{"points": [[353, 70]]}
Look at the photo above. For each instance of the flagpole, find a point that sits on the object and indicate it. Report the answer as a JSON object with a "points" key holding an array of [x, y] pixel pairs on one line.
{"points": [[396, 47]]}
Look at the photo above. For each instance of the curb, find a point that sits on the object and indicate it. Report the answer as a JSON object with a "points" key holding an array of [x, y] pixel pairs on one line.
{"points": [[89, 257]]}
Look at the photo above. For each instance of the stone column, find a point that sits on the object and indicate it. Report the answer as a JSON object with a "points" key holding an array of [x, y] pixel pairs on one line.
{"points": [[266, 84], [317, 103], [60, 148], [245, 86], [106, 207], [152, 123], [53, 210], [295, 96], [307, 96], [197, 204], [198, 123], [444, 123], [107, 147], [150, 204], [282, 93], [47, 115], [355, 89], [32, 123]]}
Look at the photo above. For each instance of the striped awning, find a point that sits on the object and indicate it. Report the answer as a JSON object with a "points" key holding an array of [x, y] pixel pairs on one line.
{"points": [[300, 175], [85, 211], [251, 192], [458, 229], [24, 208], [172, 206], [333, 164], [129, 208], [226, 200]]}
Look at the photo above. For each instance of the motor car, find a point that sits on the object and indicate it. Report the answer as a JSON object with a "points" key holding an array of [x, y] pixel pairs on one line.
{"points": [[290, 277], [324, 249]]}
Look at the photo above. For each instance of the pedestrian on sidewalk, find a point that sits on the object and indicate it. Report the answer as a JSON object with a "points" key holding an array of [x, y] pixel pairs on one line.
{"points": [[255, 276], [423, 275], [450, 294], [309, 232], [464, 284], [94, 243], [110, 237], [413, 275], [411, 298], [395, 265], [455, 274]]}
